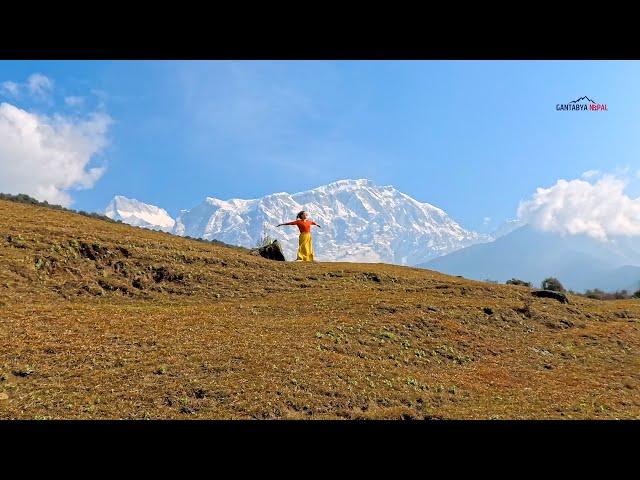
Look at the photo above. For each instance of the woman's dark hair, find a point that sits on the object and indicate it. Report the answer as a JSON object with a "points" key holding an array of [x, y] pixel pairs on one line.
{"points": [[299, 214]]}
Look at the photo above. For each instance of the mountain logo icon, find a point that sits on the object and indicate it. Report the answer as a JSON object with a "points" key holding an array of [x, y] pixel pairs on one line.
{"points": [[582, 104], [583, 98]]}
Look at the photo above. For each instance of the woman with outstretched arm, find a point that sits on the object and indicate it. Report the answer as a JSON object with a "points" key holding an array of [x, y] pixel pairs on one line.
{"points": [[305, 245]]}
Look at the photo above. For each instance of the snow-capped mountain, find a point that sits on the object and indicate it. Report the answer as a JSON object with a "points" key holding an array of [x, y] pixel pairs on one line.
{"points": [[361, 222], [139, 214]]}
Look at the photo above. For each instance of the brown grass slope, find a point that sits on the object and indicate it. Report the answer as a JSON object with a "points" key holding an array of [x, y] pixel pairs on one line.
{"points": [[103, 320]]}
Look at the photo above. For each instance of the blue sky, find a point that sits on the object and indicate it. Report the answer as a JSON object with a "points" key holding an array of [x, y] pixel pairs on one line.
{"points": [[474, 138]]}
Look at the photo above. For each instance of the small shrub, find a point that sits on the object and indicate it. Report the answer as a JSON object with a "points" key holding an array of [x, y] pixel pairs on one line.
{"points": [[598, 294], [620, 295], [515, 281], [552, 284], [265, 239]]}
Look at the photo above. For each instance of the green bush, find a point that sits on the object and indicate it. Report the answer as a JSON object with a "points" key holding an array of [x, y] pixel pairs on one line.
{"points": [[552, 284], [265, 239], [515, 281]]}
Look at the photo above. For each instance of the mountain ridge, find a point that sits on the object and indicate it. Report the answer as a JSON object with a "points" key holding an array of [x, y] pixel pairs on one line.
{"points": [[361, 222], [579, 262], [139, 214]]}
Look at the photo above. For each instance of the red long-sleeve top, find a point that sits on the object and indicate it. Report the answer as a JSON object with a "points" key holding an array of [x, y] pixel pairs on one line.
{"points": [[303, 225]]}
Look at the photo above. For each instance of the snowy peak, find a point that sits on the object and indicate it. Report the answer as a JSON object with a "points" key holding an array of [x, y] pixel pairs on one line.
{"points": [[360, 222], [345, 185], [139, 214]]}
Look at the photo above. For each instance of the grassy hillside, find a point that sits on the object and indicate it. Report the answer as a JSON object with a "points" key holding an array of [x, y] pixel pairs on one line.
{"points": [[103, 320]]}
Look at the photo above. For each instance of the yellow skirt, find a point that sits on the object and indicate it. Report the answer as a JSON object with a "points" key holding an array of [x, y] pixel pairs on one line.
{"points": [[305, 248]]}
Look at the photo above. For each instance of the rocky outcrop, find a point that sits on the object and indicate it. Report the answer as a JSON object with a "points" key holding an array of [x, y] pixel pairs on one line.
{"points": [[272, 251], [561, 297]]}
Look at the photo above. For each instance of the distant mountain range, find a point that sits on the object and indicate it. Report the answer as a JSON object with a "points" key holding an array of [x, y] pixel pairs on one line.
{"points": [[364, 222], [361, 222], [578, 261], [139, 214]]}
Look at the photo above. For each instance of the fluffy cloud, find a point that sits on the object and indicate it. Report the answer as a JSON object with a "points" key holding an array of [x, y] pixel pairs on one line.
{"points": [[600, 209], [10, 88], [47, 156], [37, 85]]}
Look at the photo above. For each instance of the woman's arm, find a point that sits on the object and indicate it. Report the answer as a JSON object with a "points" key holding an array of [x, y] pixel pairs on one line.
{"points": [[295, 222], [314, 223]]}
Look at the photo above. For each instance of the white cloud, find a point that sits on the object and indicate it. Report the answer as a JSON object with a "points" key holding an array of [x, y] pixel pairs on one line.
{"points": [[39, 85], [486, 220], [47, 156], [74, 101], [600, 209], [10, 88], [590, 174]]}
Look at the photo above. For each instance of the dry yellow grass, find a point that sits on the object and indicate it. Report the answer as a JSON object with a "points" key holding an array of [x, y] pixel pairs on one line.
{"points": [[102, 320]]}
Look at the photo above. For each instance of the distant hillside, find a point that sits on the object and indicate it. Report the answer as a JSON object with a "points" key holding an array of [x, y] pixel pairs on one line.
{"points": [[104, 320], [579, 262]]}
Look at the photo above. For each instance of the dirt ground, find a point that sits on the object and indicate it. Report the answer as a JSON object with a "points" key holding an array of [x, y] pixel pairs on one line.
{"points": [[101, 320]]}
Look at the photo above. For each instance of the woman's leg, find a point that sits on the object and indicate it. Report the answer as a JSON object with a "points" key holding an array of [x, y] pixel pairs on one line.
{"points": [[305, 249], [301, 255]]}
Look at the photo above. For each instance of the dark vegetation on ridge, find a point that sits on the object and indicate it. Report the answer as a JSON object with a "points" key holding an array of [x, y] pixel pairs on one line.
{"points": [[26, 199], [554, 285]]}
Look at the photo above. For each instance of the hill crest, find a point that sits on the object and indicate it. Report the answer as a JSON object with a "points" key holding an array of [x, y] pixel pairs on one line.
{"points": [[212, 331]]}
